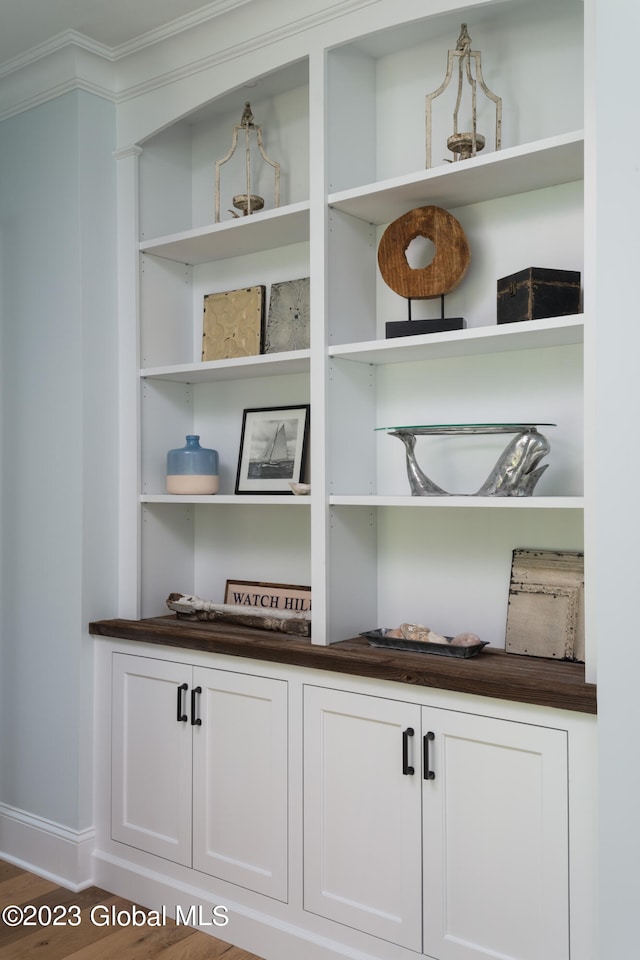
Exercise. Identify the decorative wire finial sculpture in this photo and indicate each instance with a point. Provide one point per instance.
(247, 202)
(466, 144)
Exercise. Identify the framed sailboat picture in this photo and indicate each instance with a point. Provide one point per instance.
(273, 449)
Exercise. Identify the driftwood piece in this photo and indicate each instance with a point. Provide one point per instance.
(188, 607)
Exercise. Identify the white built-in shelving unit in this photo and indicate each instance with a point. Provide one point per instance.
(346, 121)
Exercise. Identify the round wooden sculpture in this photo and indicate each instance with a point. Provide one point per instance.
(448, 266)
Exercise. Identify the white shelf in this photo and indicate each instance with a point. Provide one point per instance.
(456, 502)
(227, 498)
(384, 556)
(503, 173)
(525, 335)
(233, 238)
(240, 368)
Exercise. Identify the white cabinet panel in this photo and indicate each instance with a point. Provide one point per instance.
(199, 760)
(495, 840)
(362, 814)
(473, 843)
(151, 757)
(240, 780)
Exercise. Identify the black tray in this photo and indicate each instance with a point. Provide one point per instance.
(378, 638)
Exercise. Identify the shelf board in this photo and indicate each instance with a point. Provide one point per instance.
(503, 173)
(239, 368)
(271, 500)
(494, 673)
(456, 502)
(233, 238)
(475, 341)
(452, 502)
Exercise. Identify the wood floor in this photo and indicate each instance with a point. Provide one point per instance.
(82, 939)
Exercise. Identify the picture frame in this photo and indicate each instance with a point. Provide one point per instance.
(268, 596)
(233, 323)
(273, 449)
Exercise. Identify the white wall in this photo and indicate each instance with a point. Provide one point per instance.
(616, 462)
(59, 387)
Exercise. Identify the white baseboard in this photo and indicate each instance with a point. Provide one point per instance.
(249, 929)
(48, 849)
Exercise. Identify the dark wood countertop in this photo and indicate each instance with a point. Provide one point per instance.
(493, 673)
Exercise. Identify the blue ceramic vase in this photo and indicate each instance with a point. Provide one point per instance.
(192, 469)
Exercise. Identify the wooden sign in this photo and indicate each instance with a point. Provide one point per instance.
(268, 596)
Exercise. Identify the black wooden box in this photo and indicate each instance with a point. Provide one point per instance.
(538, 292)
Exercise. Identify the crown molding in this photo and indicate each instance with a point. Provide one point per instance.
(187, 22)
(65, 63)
(23, 79)
(72, 61)
(50, 48)
(244, 48)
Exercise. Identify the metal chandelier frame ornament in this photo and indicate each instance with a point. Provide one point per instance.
(466, 144)
(247, 202)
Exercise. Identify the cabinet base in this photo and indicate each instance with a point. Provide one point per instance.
(255, 930)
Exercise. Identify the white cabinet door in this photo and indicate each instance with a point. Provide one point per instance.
(151, 756)
(362, 859)
(240, 780)
(495, 840)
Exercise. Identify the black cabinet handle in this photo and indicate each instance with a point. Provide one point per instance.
(407, 770)
(428, 773)
(195, 721)
(181, 717)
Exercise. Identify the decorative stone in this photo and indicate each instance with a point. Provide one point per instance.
(420, 633)
(465, 640)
